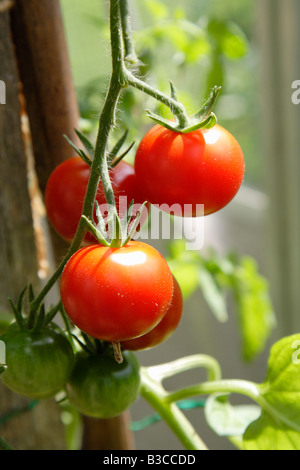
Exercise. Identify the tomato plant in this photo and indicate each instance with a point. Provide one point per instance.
(66, 188)
(101, 388)
(116, 294)
(38, 362)
(165, 327)
(123, 292)
(179, 171)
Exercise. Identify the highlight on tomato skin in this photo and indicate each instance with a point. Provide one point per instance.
(165, 327)
(180, 173)
(116, 294)
(66, 188)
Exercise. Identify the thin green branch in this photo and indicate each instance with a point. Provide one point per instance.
(130, 55)
(169, 369)
(242, 387)
(175, 106)
(153, 392)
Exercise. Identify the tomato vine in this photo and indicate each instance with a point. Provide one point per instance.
(123, 75)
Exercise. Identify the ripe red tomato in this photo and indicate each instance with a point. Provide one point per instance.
(115, 294)
(182, 170)
(165, 327)
(66, 188)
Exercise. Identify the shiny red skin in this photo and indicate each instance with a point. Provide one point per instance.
(66, 188)
(201, 167)
(165, 327)
(116, 294)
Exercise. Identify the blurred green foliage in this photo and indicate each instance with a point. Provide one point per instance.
(217, 276)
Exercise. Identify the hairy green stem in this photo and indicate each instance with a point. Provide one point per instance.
(169, 369)
(153, 392)
(242, 387)
(175, 106)
(130, 54)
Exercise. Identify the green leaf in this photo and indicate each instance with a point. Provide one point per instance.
(278, 428)
(120, 157)
(101, 226)
(18, 315)
(20, 299)
(80, 152)
(113, 153)
(197, 48)
(268, 434)
(212, 293)
(207, 123)
(255, 311)
(209, 103)
(218, 275)
(51, 314)
(234, 46)
(176, 35)
(229, 38)
(40, 319)
(282, 385)
(227, 420)
(86, 143)
(158, 9)
(176, 248)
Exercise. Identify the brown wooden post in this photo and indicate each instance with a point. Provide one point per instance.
(107, 434)
(40, 428)
(51, 103)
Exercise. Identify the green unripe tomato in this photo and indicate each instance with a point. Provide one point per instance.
(38, 363)
(100, 387)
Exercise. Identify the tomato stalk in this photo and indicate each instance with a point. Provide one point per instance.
(242, 387)
(130, 54)
(155, 394)
(153, 391)
(164, 402)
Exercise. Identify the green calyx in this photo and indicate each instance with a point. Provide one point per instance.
(36, 320)
(202, 119)
(96, 347)
(87, 155)
(112, 231)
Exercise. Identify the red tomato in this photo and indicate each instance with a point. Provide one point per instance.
(183, 170)
(66, 188)
(165, 327)
(116, 294)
